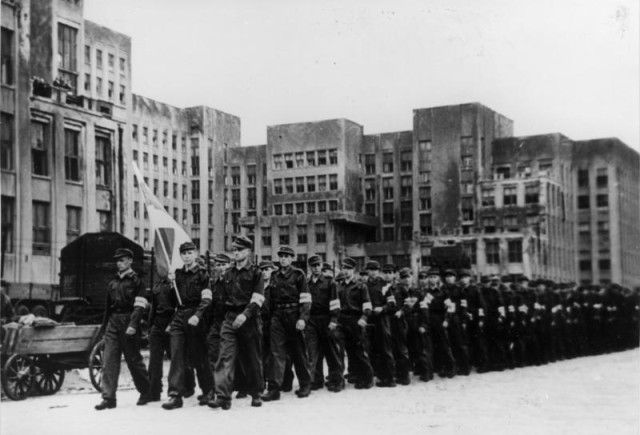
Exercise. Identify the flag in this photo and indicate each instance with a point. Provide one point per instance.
(168, 235)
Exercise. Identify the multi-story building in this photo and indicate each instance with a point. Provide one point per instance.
(608, 211)
(69, 126)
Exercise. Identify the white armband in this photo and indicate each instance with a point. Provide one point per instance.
(257, 299)
(140, 302)
(367, 306)
(206, 294)
(305, 298)
(334, 304)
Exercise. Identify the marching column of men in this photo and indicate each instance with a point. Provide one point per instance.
(244, 329)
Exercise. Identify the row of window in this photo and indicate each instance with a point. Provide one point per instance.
(406, 162)
(523, 170)
(99, 61)
(602, 178)
(584, 201)
(305, 159)
(299, 207)
(286, 185)
(42, 224)
(406, 188)
(122, 95)
(135, 129)
(302, 236)
(510, 195)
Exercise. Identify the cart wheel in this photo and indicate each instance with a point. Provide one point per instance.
(17, 377)
(21, 310)
(96, 359)
(47, 378)
(40, 311)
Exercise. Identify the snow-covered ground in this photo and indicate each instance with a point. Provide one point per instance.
(592, 395)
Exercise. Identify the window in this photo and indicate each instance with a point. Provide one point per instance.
(99, 59)
(41, 228)
(321, 235)
(185, 192)
(251, 175)
(406, 189)
(195, 189)
(111, 60)
(333, 157)
(195, 214)
(8, 223)
(583, 201)
(369, 164)
(425, 198)
(103, 160)
(6, 57)
(311, 184)
(136, 209)
(406, 161)
(466, 162)
(524, 170)
(369, 189)
(387, 162)
(288, 161)
(300, 160)
(266, 236)
(388, 234)
(387, 213)
(370, 209)
(322, 183)
(406, 212)
(185, 217)
(174, 142)
(235, 199)
(183, 170)
(145, 135)
(467, 188)
(252, 198)
(602, 179)
(492, 252)
(155, 186)
(322, 157)
(602, 200)
(584, 228)
(503, 172)
(99, 86)
(311, 158)
(584, 265)
(509, 195)
(6, 141)
(333, 205)
(467, 210)
(235, 222)
(544, 167)
(603, 227)
(154, 137)
(277, 186)
(288, 185)
(110, 90)
(302, 234)
(155, 162)
(123, 94)
(311, 207)
(333, 182)
(510, 222)
(489, 224)
(488, 199)
(40, 146)
(531, 193)
(300, 208)
(583, 178)
(67, 61)
(277, 209)
(145, 242)
(515, 251)
(322, 206)
(424, 156)
(72, 155)
(604, 264)
(164, 139)
(73, 222)
(425, 224)
(174, 166)
(235, 175)
(406, 233)
(469, 249)
(288, 209)
(123, 63)
(145, 161)
(284, 235)
(387, 188)
(87, 82)
(299, 184)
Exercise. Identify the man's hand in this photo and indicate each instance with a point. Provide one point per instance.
(362, 323)
(398, 314)
(130, 330)
(193, 320)
(377, 310)
(445, 324)
(332, 326)
(300, 324)
(171, 276)
(422, 329)
(239, 321)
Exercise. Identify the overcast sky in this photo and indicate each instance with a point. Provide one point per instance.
(569, 66)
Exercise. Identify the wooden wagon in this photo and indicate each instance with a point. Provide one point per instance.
(35, 359)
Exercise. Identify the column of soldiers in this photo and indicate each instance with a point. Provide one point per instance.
(249, 327)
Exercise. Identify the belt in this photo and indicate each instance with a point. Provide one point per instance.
(289, 305)
(122, 311)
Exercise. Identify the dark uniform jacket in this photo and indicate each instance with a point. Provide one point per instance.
(289, 287)
(472, 304)
(353, 299)
(243, 290)
(162, 304)
(193, 286)
(415, 304)
(126, 294)
(380, 293)
(322, 290)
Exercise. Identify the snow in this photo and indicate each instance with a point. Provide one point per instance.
(590, 395)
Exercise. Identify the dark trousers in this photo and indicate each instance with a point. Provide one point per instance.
(478, 346)
(459, 345)
(117, 343)
(353, 337)
(421, 348)
(443, 360)
(213, 345)
(382, 347)
(188, 348)
(287, 341)
(239, 345)
(324, 344)
(400, 349)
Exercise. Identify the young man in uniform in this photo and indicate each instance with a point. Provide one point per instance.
(188, 329)
(243, 296)
(125, 303)
(290, 303)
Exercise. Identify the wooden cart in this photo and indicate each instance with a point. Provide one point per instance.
(35, 359)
